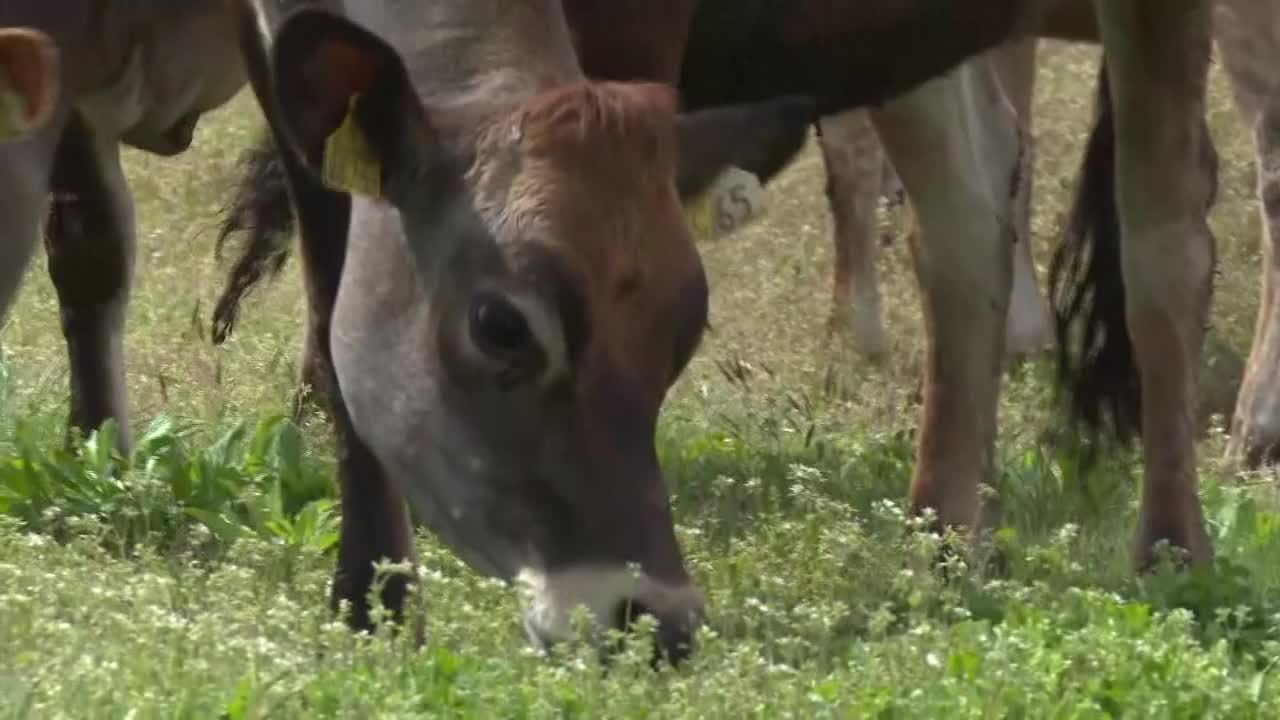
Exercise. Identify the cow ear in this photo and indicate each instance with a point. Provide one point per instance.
(29, 81)
(346, 102)
(759, 137)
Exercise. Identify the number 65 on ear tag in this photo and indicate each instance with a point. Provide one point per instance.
(730, 203)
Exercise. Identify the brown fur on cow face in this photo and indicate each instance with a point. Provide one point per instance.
(509, 373)
(589, 252)
(588, 190)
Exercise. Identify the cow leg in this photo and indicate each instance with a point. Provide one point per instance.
(1157, 54)
(854, 163)
(375, 521)
(21, 206)
(24, 177)
(90, 239)
(1255, 424)
(963, 255)
(1029, 329)
(1246, 35)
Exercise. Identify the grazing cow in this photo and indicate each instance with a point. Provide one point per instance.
(28, 81)
(502, 288)
(139, 73)
(1146, 184)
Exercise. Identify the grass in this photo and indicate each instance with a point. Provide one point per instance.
(189, 580)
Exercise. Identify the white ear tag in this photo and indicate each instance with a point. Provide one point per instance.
(730, 203)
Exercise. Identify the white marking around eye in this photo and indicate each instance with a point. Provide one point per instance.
(547, 330)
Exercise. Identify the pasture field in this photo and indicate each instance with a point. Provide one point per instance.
(190, 580)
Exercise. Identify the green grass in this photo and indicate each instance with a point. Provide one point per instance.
(190, 579)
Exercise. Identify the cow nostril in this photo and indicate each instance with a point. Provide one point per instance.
(672, 641)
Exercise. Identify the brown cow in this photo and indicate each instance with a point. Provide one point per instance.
(503, 288)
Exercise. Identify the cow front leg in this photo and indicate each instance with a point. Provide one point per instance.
(90, 239)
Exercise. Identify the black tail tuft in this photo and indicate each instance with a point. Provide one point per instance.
(262, 209)
(1096, 365)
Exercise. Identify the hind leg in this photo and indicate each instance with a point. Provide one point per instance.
(853, 159)
(1158, 52)
(90, 242)
(1249, 46)
(1255, 426)
(1029, 329)
(963, 254)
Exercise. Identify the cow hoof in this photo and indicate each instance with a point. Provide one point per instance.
(1252, 451)
(1254, 442)
(1185, 543)
(1027, 334)
(864, 333)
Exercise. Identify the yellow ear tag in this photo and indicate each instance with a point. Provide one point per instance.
(349, 162)
(13, 109)
(701, 216)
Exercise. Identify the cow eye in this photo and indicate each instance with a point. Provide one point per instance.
(498, 328)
